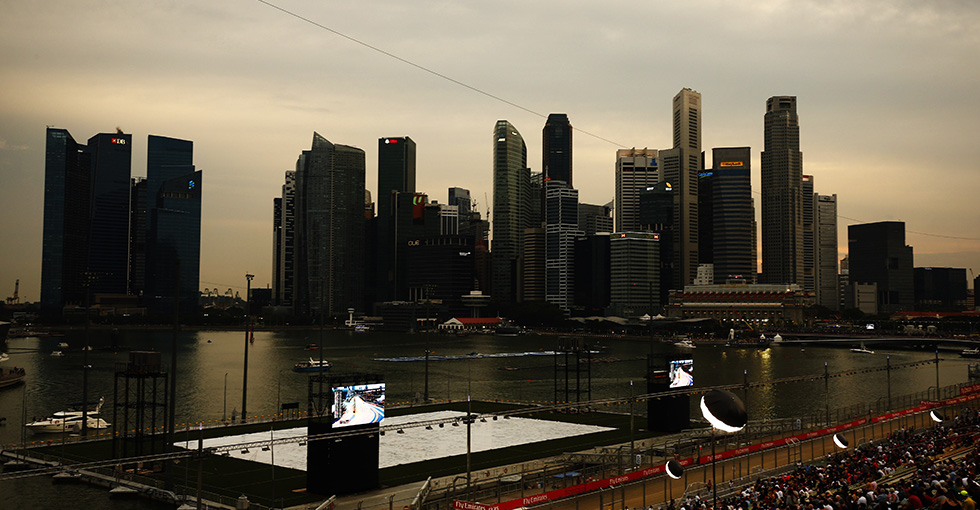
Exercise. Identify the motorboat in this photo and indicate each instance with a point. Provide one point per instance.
(971, 353)
(62, 345)
(685, 344)
(68, 421)
(11, 376)
(312, 366)
(862, 350)
(57, 354)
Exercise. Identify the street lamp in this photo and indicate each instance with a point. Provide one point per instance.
(724, 411)
(248, 290)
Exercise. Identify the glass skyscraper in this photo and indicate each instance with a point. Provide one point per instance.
(511, 209)
(782, 193)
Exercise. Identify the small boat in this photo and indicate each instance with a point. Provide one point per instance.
(685, 344)
(68, 421)
(862, 350)
(970, 353)
(57, 354)
(4, 357)
(11, 376)
(62, 345)
(311, 366)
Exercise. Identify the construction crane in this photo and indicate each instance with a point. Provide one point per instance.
(15, 299)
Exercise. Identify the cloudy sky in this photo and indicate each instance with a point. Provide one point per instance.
(887, 98)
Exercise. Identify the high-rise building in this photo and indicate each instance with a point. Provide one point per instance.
(826, 282)
(593, 218)
(108, 254)
(284, 243)
(460, 197)
(726, 215)
(941, 289)
(64, 252)
(592, 273)
(809, 235)
(173, 225)
(657, 215)
(782, 193)
(680, 167)
(329, 228)
(137, 236)
(634, 276)
(636, 170)
(557, 151)
(561, 229)
(877, 253)
(511, 209)
(396, 174)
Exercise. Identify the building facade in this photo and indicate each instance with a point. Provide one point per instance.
(511, 209)
(396, 174)
(561, 229)
(726, 225)
(877, 253)
(634, 278)
(636, 170)
(782, 193)
(680, 167)
(827, 282)
(556, 153)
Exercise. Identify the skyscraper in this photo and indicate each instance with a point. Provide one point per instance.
(511, 209)
(877, 253)
(561, 229)
(108, 254)
(636, 170)
(825, 222)
(680, 167)
(809, 235)
(284, 245)
(329, 228)
(396, 174)
(730, 227)
(782, 193)
(64, 253)
(173, 194)
(557, 151)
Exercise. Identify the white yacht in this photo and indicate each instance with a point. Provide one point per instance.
(68, 421)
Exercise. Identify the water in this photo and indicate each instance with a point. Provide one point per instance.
(210, 376)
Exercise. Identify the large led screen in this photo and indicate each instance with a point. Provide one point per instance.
(681, 373)
(358, 405)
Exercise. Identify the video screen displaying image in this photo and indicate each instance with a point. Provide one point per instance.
(681, 373)
(358, 405)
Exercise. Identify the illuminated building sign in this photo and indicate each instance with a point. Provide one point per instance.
(391, 140)
(191, 184)
(418, 208)
(119, 141)
(724, 164)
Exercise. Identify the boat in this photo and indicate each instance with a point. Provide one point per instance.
(311, 366)
(312, 347)
(971, 353)
(57, 354)
(862, 350)
(11, 376)
(62, 345)
(68, 421)
(685, 344)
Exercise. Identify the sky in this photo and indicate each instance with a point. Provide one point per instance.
(887, 100)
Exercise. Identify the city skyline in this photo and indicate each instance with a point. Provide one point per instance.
(866, 76)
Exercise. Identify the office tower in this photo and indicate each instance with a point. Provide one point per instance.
(636, 170)
(414, 218)
(680, 167)
(396, 174)
(825, 263)
(448, 220)
(329, 228)
(176, 228)
(592, 273)
(557, 149)
(531, 286)
(461, 197)
(940, 289)
(441, 268)
(108, 257)
(782, 193)
(511, 209)
(657, 215)
(726, 215)
(173, 195)
(284, 243)
(593, 218)
(809, 235)
(634, 276)
(64, 252)
(561, 229)
(137, 236)
(877, 254)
